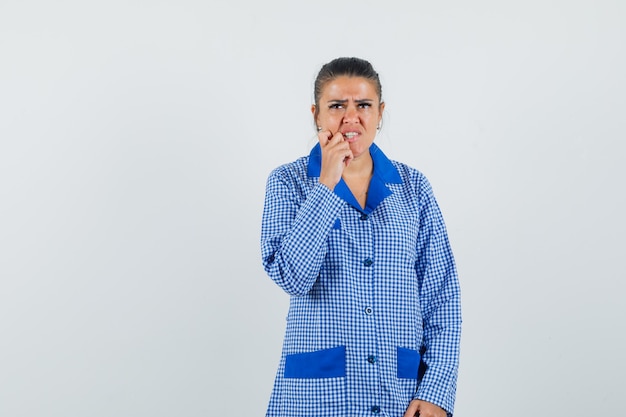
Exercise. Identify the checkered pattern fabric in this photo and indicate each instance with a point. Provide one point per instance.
(369, 282)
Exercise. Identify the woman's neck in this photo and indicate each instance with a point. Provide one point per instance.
(360, 167)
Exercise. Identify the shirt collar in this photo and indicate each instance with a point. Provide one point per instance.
(384, 173)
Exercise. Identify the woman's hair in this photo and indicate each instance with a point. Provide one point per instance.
(349, 67)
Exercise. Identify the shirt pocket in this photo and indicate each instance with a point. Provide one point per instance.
(408, 363)
(314, 383)
(324, 363)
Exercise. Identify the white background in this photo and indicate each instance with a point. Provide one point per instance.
(136, 138)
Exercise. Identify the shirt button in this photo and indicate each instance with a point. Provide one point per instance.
(375, 409)
(371, 359)
(368, 262)
(368, 310)
(363, 216)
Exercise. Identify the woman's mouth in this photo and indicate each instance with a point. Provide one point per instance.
(349, 136)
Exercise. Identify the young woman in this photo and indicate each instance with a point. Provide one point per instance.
(359, 243)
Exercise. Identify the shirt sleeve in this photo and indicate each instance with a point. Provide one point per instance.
(440, 303)
(295, 227)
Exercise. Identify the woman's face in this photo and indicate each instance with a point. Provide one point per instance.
(350, 105)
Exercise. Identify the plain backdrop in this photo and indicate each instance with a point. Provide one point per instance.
(136, 138)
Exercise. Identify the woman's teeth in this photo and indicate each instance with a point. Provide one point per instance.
(350, 135)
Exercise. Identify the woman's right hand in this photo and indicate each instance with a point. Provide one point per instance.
(336, 156)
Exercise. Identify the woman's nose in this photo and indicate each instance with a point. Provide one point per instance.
(351, 115)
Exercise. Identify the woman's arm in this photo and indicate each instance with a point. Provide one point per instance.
(295, 227)
(440, 300)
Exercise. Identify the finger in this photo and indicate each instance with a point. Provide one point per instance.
(348, 158)
(411, 411)
(427, 409)
(333, 138)
(337, 137)
(324, 137)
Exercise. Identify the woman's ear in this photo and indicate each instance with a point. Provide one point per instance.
(313, 109)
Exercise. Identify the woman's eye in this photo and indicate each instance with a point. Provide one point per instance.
(365, 105)
(335, 106)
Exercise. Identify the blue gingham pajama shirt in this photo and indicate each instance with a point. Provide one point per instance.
(374, 318)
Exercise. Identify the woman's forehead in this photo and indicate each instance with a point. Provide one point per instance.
(345, 87)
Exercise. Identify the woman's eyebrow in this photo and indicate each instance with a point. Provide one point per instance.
(359, 101)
